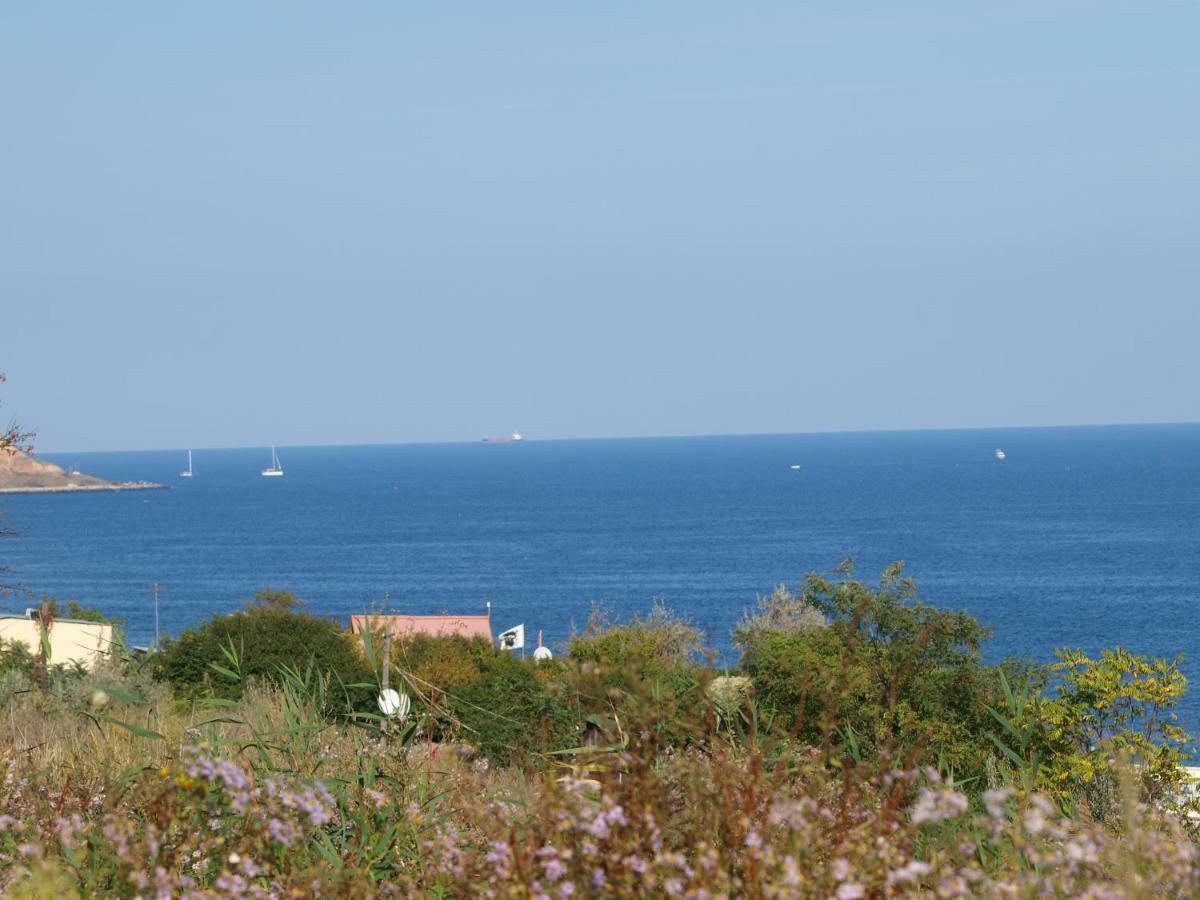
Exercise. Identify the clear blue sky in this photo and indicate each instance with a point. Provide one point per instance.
(228, 224)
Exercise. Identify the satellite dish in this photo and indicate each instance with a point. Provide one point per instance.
(394, 705)
(541, 654)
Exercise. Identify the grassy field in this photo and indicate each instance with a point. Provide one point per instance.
(666, 779)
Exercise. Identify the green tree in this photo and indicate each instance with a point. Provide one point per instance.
(887, 672)
(1118, 708)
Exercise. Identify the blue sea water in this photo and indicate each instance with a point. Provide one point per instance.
(1085, 537)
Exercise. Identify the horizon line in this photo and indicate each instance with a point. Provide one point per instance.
(645, 437)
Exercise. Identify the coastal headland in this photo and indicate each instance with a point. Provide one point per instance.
(21, 473)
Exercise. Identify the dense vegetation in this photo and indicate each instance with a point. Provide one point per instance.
(861, 748)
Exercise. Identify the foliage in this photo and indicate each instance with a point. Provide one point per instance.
(642, 672)
(783, 612)
(657, 641)
(75, 610)
(488, 697)
(12, 439)
(112, 790)
(15, 657)
(897, 674)
(1117, 707)
(266, 637)
(274, 599)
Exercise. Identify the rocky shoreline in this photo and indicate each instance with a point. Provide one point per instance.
(78, 488)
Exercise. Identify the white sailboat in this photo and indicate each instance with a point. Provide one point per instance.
(275, 470)
(1000, 454)
(187, 473)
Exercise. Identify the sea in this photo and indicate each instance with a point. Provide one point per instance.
(1080, 537)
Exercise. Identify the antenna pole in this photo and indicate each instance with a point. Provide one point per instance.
(387, 655)
(154, 592)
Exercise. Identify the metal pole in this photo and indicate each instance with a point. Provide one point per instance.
(387, 656)
(154, 591)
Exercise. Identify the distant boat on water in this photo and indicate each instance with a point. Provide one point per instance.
(275, 470)
(1000, 454)
(187, 473)
(511, 439)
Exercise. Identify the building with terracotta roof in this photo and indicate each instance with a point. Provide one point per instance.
(434, 626)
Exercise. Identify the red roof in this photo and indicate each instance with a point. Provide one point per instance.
(434, 626)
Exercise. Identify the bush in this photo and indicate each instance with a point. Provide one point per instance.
(887, 672)
(781, 613)
(659, 640)
(265, 637)
(642, 673)
(489, 697)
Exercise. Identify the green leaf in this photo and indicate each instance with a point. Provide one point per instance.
(133, 729)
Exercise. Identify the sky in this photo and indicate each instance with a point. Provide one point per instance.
(230, 224)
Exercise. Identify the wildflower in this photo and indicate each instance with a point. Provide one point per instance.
(498, 853)
(994, 802)
(850, 890)
(937, 806)
(912, 871)
(1034, 820)
(753, 840)
(791, 872)
(231, 885)
(250, 868)
(282, 833)
(378, 799)
(598, 878)
(635, 864)
(841, 869)
(554, 869)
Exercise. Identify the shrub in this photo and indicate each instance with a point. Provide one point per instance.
(265, 637)
(1118, 707)
(489, 697)
(781, 613)
(642, 673)
(888, 672)
(656, 641)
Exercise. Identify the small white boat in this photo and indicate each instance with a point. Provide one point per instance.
(187, 473)
(796, 466)
(1000, 454)
(275, 470)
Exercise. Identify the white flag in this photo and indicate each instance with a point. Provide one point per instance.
(513, 639)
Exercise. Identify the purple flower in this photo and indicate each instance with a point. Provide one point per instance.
(498, 853)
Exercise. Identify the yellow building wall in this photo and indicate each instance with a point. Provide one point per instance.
(70, 641)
